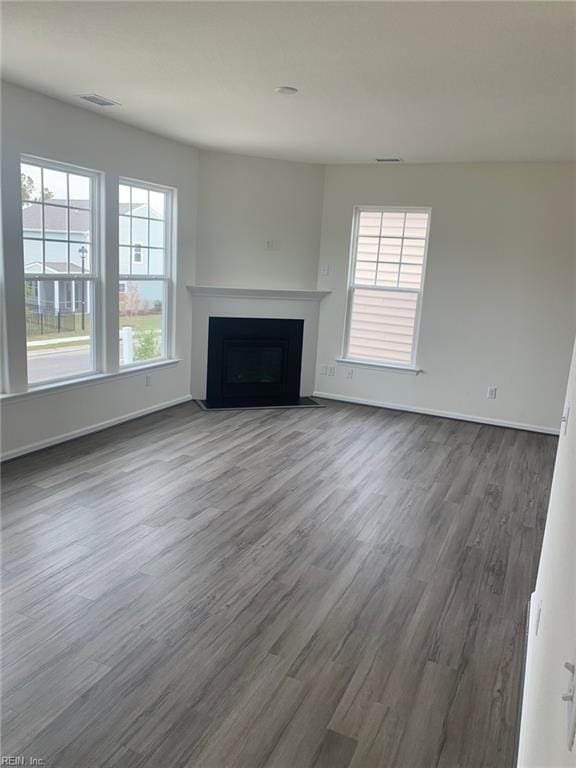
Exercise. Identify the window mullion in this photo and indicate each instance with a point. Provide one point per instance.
(148, 238)
(401, 250)
(394, 288)
(131, 225)
(68, 222)
(379, 247)
(43, 222)
(49, 277)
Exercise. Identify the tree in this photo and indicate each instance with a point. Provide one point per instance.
(28, 187)
(130, 300)
(123, 303)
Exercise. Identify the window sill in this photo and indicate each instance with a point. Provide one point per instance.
(412, 370)
(86, 381)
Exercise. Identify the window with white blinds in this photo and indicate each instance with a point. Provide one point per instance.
(385, 286)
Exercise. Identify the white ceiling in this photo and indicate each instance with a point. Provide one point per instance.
(426, 81)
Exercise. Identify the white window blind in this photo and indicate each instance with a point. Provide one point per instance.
(385, 287)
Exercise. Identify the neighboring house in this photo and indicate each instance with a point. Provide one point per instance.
(55, 297)
(147, 292)
(58, 296)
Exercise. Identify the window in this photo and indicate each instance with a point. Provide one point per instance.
(145, 275)
(385, 284)
(64, 276)
(61, 269)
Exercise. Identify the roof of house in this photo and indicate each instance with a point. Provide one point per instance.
(55, 214)
(60, 267)
(56, 217)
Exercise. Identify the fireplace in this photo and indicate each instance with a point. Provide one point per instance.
(253, 362)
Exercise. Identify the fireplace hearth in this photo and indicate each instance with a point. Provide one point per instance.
(253, 362)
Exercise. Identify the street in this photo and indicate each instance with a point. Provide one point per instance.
(50, 364)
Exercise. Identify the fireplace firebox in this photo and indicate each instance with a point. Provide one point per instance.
(253, 362)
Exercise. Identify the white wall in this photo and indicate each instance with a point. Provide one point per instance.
(552, 635)
(245, 202)
(498, 291)
(258, 227)
(35, 124)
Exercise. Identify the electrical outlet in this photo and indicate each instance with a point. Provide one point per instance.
(349, 373)
(272, 245)
(323, 370)
(325, 270)
(491, 393)
(148, 380)
(331, 370)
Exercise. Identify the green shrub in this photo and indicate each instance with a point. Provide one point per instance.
(146, 345)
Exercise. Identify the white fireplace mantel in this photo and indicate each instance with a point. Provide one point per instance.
(257, 293)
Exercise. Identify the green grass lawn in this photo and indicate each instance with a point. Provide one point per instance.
(78, 331)
(151, 322)
(142, 322)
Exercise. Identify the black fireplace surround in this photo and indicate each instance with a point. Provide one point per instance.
(253, 362)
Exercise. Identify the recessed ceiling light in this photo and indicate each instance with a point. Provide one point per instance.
(286, 90)
(101, 101)
(389, 160)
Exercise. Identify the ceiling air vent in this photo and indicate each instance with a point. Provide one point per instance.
(101, 101)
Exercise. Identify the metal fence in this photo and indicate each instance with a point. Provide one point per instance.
(42, 317)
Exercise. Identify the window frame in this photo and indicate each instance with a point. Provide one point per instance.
(167, 277)
(351, 286)
(93, 279)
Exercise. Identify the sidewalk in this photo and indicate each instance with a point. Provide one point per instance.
(47, 342)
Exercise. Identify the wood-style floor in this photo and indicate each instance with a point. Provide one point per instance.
(334, 588)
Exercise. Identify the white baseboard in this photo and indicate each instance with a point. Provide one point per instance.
(444, 414)
(93, 428)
